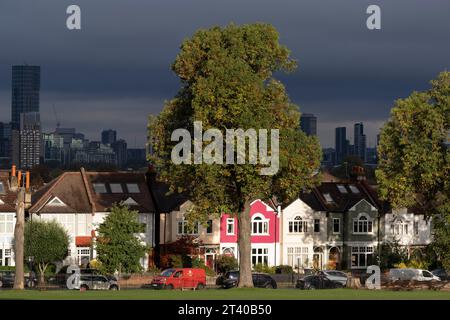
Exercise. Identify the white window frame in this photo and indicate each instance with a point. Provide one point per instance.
(7, 220)
(184, 231)
(339, 224)
(298, 257)
(230, 222)
(400, 227)
(262, 228)
(367, 220)
(261, 256)
(314, 225)
(361, 250)
(299, 224)
(81, 252)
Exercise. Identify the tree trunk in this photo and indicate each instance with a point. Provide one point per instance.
(245, 264)
(42, 268)
(19, 240)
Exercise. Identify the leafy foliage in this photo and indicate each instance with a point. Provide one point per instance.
(47, 242)
(118, 247)
(414, 165)
(225, 263)
(227, 83)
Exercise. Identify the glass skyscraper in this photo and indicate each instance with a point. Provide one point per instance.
(26, 82)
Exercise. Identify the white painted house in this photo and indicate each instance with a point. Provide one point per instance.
(7, 219)
(80, 201)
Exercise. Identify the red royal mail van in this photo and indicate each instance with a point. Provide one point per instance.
(178, 278)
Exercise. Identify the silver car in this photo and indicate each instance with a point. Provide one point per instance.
(96, 282)
(335, 276)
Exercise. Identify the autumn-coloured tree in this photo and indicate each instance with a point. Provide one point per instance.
(227, 82)
(414, 158)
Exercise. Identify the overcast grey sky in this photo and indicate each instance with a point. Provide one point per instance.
(116, 70)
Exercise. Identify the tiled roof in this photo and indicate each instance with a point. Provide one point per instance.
(329, 197)
(76, 191)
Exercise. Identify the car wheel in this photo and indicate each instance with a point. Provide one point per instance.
(269, 286)
(200, 286)
(114, 287)
(169, 287)
(84, 288)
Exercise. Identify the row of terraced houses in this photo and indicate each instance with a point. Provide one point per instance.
(339, 224)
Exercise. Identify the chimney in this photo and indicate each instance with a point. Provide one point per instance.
(13, 171)
(358, 173)
(19, 179)
(27, 180)
(13, 185)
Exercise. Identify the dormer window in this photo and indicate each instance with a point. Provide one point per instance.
(116, 187)
(99, 188)
(342, 188)
(2, 187)
(328, 198)
(133, 188)
(362, 225)
(354, 189)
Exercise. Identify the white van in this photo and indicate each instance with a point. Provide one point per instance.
(412, 274)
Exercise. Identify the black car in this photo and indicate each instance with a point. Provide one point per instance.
(260, 280)
(442, 274)
(317, 282)
(7, 279)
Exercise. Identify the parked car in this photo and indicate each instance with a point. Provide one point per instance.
(7, 280)
(411, 274)
(334, 275)
(317, 282)
(442, 274)
(260, 280)
(227, 275)
(96, 282)
(177, 278)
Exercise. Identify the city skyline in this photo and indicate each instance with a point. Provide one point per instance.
(346, 74)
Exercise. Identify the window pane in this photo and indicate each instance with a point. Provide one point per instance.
(99, 188)
(116, 187)
(133, 188)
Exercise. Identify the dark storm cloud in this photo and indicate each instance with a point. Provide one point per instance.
(116, 70)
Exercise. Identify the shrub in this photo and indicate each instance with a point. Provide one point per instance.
(225, 263)
(154, 270)
(284, 269)
(259, 267)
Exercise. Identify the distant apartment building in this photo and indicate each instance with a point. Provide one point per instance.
(109, 136)
(308, 124)
(136, 158)
(5, 145)
(341, 144)
(26, 142)
(359, 141)
(120, 149)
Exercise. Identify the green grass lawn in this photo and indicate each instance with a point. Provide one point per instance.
(232, 294)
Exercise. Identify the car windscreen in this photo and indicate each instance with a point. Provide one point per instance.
(232, 275)
(167, 273)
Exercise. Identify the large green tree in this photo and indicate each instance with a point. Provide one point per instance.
(47, 242)
(227, 82)
(414, 158)
(118, 247)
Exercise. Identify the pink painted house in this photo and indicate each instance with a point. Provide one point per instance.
(265, 238)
